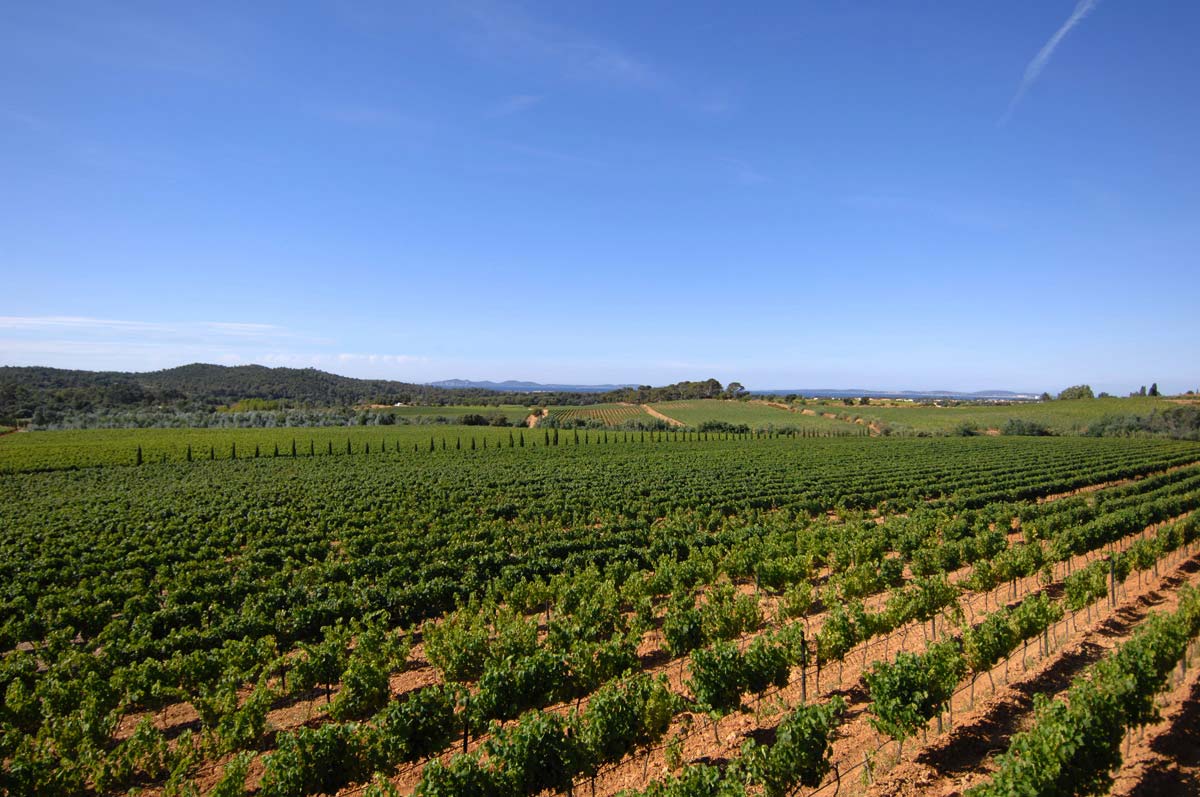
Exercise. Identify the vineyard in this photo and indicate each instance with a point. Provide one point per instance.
(612, 415)
(754, 414)
(501, 611)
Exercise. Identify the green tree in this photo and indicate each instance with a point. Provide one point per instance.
(1077, 392)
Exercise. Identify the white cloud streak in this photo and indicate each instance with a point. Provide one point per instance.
(518, 103)
(1035, 67)
(113, 326)
(502, 30)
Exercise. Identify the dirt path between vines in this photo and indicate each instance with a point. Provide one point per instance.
(1165, 758)
(662, 417)
(966, 755)
(703, 743)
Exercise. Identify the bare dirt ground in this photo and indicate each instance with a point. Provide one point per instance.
(534, 418)
(661, 417)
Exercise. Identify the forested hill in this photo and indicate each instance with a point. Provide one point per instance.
(29, 391)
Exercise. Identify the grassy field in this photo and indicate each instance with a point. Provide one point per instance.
(754, 414)
(1062, 417)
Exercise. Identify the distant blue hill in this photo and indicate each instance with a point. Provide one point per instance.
(514, 386)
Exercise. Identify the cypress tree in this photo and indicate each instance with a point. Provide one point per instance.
(547, 438)
(348, 450)
(431, 442)
(212, 453)
(585, 437)
(556, 436)
(576, 437)
(233, 450)
(458, 443)
(139, 455)
(329, 450)
(256, 450)
(368, 447)
(472, 442)
(276, 454)
(189, 452)
(293, 448)
(311, 452)
(522, 439)
(443, 444)
(511, 442)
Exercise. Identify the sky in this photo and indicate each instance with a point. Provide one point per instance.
(874, 194)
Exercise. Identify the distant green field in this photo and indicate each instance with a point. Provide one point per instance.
(33, 451)
(609, 414)
(515, 413)
(752, 413)
(1063, 417)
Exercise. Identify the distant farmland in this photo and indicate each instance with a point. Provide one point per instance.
(608, 414)
(1060, 417)
(755, 414)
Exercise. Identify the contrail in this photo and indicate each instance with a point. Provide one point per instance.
(1082, 9)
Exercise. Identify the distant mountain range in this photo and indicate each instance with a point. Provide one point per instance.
(514, 386)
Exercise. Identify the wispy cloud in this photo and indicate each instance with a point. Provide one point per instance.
(63, 323)
(505, 31)
(1035, 67)
(110, 35)
(743, 173)
(518, 103)
(958, 213)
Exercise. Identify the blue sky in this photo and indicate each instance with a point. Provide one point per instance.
(869, 194)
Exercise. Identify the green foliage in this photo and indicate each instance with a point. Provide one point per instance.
(312, 761)
(365, 686)
(765, 664)
(1028, 428)
(910, 690)
(1074, 745)
(534, 754)
(800, 753)
(683, 627)
(698, 780)
(717, 677)
(323, 663)
(419, 725)
(464, 776)
(1076, 392)
(511, 685)
(233, 777)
